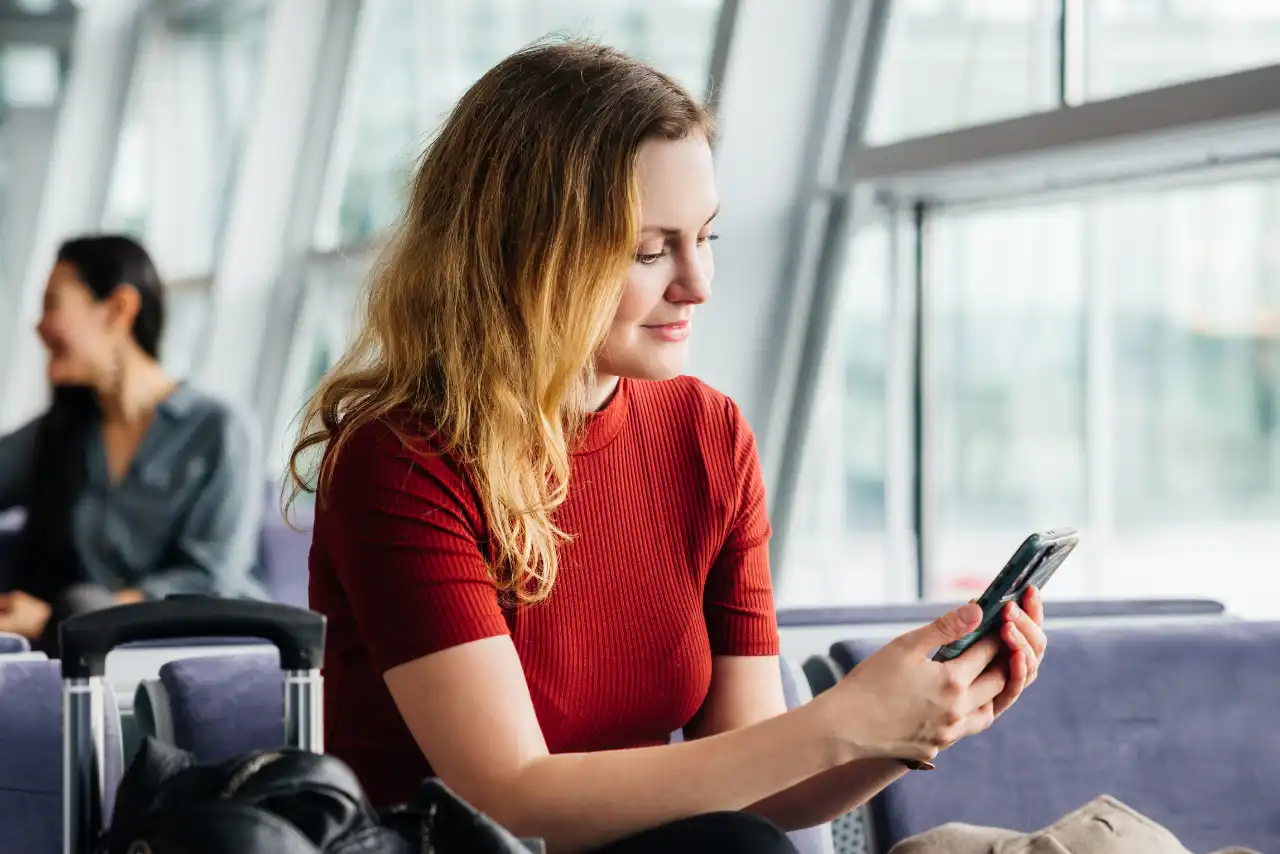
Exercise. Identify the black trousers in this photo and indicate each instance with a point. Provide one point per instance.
(713, 833)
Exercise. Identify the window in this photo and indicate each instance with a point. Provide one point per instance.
(952, 63)
(186, 307)
(838, 540)
(1133, 46)
(172, 180)
(1141, 325)
(30, 75)
(425, 55)
(1194, 274)
(1005, 350)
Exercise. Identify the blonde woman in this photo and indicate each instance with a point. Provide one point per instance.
(542, 550)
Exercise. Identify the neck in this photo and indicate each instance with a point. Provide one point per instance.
(601, 389)
(136, 390)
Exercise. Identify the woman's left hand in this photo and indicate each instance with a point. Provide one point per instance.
(1023, 634)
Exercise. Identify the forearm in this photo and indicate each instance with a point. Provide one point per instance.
(582, 801)
(829, 794)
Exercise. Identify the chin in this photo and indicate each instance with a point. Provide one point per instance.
(654, 370)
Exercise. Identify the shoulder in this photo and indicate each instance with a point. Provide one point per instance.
(214, 423)
(691, 402)
(394, 462)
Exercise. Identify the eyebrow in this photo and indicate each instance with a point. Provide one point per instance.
(668, 231)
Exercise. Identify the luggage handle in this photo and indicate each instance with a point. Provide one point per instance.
(86, 639)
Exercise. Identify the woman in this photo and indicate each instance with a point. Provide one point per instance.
(540, 549)
(135, 486)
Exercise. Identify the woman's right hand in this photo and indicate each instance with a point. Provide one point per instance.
(901, 704)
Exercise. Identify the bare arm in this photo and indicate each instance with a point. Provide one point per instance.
(469, 710)
(745, 691)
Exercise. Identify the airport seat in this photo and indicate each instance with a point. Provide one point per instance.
(216, 706)
(1177, 723)
(284, 551)
(884, 621)
(31, 747)
(11, 643)
(1058, 609)
(221, 706)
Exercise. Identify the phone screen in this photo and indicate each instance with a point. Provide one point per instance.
(1034, 563)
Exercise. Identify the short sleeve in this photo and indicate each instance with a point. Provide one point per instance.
(738, 603)
(403, 530)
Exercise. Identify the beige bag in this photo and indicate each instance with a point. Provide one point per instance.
(1102, 826)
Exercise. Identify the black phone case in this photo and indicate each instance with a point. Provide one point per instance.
(1035, 562)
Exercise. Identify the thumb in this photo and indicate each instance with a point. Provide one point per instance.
(948, 628)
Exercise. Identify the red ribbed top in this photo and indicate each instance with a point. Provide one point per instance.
(668, 567)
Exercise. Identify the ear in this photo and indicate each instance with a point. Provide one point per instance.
(122, 307)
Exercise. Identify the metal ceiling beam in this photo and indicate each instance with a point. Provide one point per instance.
(1231, 118)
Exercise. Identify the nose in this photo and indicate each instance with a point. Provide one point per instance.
(692, 284)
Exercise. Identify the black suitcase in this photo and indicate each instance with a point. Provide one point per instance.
(297, 633)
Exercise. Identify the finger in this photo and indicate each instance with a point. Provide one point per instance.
(1013, 688)
(1018, 643)
(980, 719)
(949, 628)
(1033, 604)
(974, 660)
(1028, 628)
(986, 688)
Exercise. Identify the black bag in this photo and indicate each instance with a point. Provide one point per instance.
(288, 801)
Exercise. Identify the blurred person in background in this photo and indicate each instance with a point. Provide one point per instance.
(136, 486)
(541, 549)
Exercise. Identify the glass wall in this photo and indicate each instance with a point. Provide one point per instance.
(426, 54)
(1004, 319)
(1133, 45)
(1110, 362)
(172, 179)
(953, 63)
(839, 545)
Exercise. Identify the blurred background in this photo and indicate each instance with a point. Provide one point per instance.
(986, 267)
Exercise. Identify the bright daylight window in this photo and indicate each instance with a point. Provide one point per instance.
(426, 54)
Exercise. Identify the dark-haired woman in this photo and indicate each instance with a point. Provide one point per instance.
(136, 486)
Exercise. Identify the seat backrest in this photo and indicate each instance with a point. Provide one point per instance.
(221, 706)
(285, 553)
(1177, 721)
(11, 643)
(795, 689)
(31, 754)
(1057, 609)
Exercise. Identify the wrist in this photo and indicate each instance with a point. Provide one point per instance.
(839, 722)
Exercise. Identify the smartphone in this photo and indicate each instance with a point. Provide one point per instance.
(1034, 563)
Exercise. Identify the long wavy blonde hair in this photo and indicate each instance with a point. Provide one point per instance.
(484, 314)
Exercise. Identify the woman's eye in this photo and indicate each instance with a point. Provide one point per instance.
(648, 258)
(707, 238)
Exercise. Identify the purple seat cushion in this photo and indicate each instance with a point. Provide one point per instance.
(31, 755)
(1178, 721)
(13, 643)
(226, 705)
(285, 553)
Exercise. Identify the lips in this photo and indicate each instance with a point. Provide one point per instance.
(676, 331)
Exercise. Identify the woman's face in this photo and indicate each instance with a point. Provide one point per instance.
(672, 270)
(83, 335)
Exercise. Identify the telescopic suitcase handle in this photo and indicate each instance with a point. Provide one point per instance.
(86, 640)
